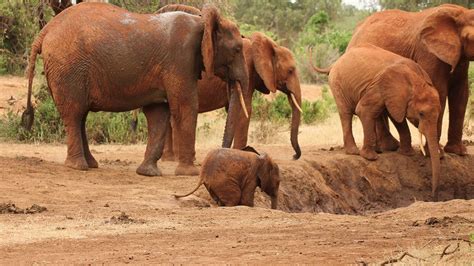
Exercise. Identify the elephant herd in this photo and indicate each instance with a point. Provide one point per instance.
(181, 61)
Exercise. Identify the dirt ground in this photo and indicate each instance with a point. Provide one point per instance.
(333, 208)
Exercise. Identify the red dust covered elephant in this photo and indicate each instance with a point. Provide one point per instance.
(441, 41)
(99, 57)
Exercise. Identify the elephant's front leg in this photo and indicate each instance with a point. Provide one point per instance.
(158, 117)
(248, 194)
(385, 140)
(458, 95)
(405, 138)
(184, 111)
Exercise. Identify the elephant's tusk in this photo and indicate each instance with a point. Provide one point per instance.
(422, 148)
(295, 102)
(242, 102)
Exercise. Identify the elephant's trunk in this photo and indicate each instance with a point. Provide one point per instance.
(239, 76)
(232, 115)
(432, 139)
(295, 101)
(274, 200)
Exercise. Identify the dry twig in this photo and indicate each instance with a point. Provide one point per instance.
(401, 258)
(446, 252)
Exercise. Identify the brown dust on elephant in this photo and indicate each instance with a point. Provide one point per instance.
(271, 68)
(367, 81)
(231, 176)
(99, 57)
(441, 41)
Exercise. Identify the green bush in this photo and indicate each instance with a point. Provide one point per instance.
(278, 111)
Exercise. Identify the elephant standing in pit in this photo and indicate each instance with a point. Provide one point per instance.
(231, 176)
(368, 80)
(441, 41)
(99, 57)
(271, 67)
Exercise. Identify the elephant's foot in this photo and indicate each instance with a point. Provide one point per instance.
(148, 169)
(459, 149)
(407, 151)
(186, 169)
(77, 163)
(91, 162)
(369, 154)
(352, 150)
(389, 143)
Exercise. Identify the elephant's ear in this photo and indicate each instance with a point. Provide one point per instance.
(439, 33)
(263, 53)
(211, 17)
(396, 87)
(263, 172)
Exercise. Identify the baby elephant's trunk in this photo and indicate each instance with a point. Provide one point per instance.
(274, 200)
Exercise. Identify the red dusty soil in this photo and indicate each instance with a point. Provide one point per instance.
(334, 209)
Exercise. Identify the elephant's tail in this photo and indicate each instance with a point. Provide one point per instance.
(27, 117)
(197, 187)
(315, 68)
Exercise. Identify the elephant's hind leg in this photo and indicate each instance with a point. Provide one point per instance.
(91, 162)
(75, 146)
(157, 116)
(349, 142)
(168, 151)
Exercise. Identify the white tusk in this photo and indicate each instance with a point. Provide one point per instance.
(242, 102)
(295, 102)
(422, 147)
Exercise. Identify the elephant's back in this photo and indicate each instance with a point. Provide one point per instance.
(230, 161)
(358, 68)
(386, 29)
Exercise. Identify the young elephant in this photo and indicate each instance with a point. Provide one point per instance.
(368, 81)
(231, 176)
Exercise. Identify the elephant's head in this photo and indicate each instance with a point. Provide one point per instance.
(276, 68)
(448, 33)
(268, 177)
(223, 55)
(407, 91)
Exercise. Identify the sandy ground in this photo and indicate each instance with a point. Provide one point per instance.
(84, 222)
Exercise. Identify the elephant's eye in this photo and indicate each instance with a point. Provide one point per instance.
(237, 50)
(422, 114)
(290, 71)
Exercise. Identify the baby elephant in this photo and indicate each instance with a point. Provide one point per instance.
(231, 176)
(369, 81)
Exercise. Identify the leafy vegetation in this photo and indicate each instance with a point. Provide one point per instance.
(278, 111)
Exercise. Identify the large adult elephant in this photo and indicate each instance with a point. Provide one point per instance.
(271, 68)
(99, 57)
(441, 41)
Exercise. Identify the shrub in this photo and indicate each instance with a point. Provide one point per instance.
(278, 111)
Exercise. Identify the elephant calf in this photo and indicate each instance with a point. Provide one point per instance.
(231, 176)
(369, 81)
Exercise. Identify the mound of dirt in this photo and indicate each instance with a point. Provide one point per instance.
(345, 184)
(123, 218)
(11, 208)
(447, 221)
